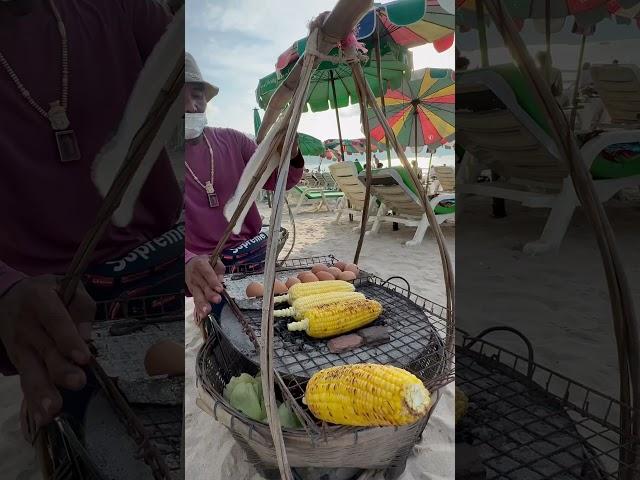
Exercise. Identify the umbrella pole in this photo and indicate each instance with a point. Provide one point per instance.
(429, 172)
(335, 103)
(382, 92)
(482, 34)
(576, 89)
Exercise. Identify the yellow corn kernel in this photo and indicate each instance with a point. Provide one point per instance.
(337, 318)
(300, 290)
(367, 395)
(302, 305)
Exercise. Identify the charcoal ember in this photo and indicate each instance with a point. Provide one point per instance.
(345, 343)
(374, 335)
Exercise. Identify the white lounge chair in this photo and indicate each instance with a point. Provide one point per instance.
(498, 132)
(390, 188)
(345, 175)
(619, 90)
(445, 180)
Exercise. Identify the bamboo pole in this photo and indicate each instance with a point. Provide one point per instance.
(576, 90)
(482, 34)
(382, 90)
(625, 323)
(335, 105)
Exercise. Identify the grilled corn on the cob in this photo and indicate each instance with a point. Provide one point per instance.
(337, 318)
(367, 395)
(300, 290)
(302, 305)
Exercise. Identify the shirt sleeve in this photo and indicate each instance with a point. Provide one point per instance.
(188, 255)
(149, 20)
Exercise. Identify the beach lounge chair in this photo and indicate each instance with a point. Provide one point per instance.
(619, 90)
(445, 179)
(392, 187)
(301, 195)
(345, 175)
(499, 127)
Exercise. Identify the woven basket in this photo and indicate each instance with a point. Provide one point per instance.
(335, 446)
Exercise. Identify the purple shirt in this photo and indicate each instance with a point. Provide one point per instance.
(46, 207)
(205, 225)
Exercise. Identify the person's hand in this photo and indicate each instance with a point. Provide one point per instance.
(45, 341)
(204, 283)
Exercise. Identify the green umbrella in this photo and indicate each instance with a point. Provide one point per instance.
(395, 62)
(307, 144)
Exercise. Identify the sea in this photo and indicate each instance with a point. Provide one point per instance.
(322, 164)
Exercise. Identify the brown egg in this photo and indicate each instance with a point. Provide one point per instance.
(335, 271)
(254, 289)
(322, 276)
(347, 276)
(279, 288)
(165, 358)
(340, 265)
(307, 277)
(291, 281)
(352, 267)
(319, 267)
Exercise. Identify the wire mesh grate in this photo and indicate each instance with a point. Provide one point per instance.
(527, 422)
(417, 329)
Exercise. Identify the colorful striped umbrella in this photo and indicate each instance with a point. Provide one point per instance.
(586, 13)
(422, 112)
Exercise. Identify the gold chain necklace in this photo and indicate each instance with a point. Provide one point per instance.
(212, 196)
(57, 114)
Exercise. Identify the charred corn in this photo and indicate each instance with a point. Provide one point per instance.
(367, 395)
(337, 318)
(300, 290)
(302, 305)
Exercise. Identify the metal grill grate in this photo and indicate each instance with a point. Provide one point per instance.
(416, 325)
(527, 422)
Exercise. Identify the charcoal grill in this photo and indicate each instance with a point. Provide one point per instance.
(154, 421)
(417, 330)
(527, 422)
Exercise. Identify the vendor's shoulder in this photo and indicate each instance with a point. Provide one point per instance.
(229, 133)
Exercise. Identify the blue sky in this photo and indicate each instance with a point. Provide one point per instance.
(237, 42)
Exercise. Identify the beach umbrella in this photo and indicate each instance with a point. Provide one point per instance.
(310, 145)
(422, 111)
(307, 144)
(356, 145)
(386, 32)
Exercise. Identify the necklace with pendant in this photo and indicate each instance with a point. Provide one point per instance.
(68, 149)
(212, 196)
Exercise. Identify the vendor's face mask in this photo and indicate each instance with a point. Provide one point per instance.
(194, 124)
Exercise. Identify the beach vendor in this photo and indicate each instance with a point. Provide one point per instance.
(67, 69)
(214, 161)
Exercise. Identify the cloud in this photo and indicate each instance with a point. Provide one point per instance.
(237, 42)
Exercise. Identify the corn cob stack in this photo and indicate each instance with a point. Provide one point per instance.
(367, 395)
(337, 318)
(302, 305)
(300, 290)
